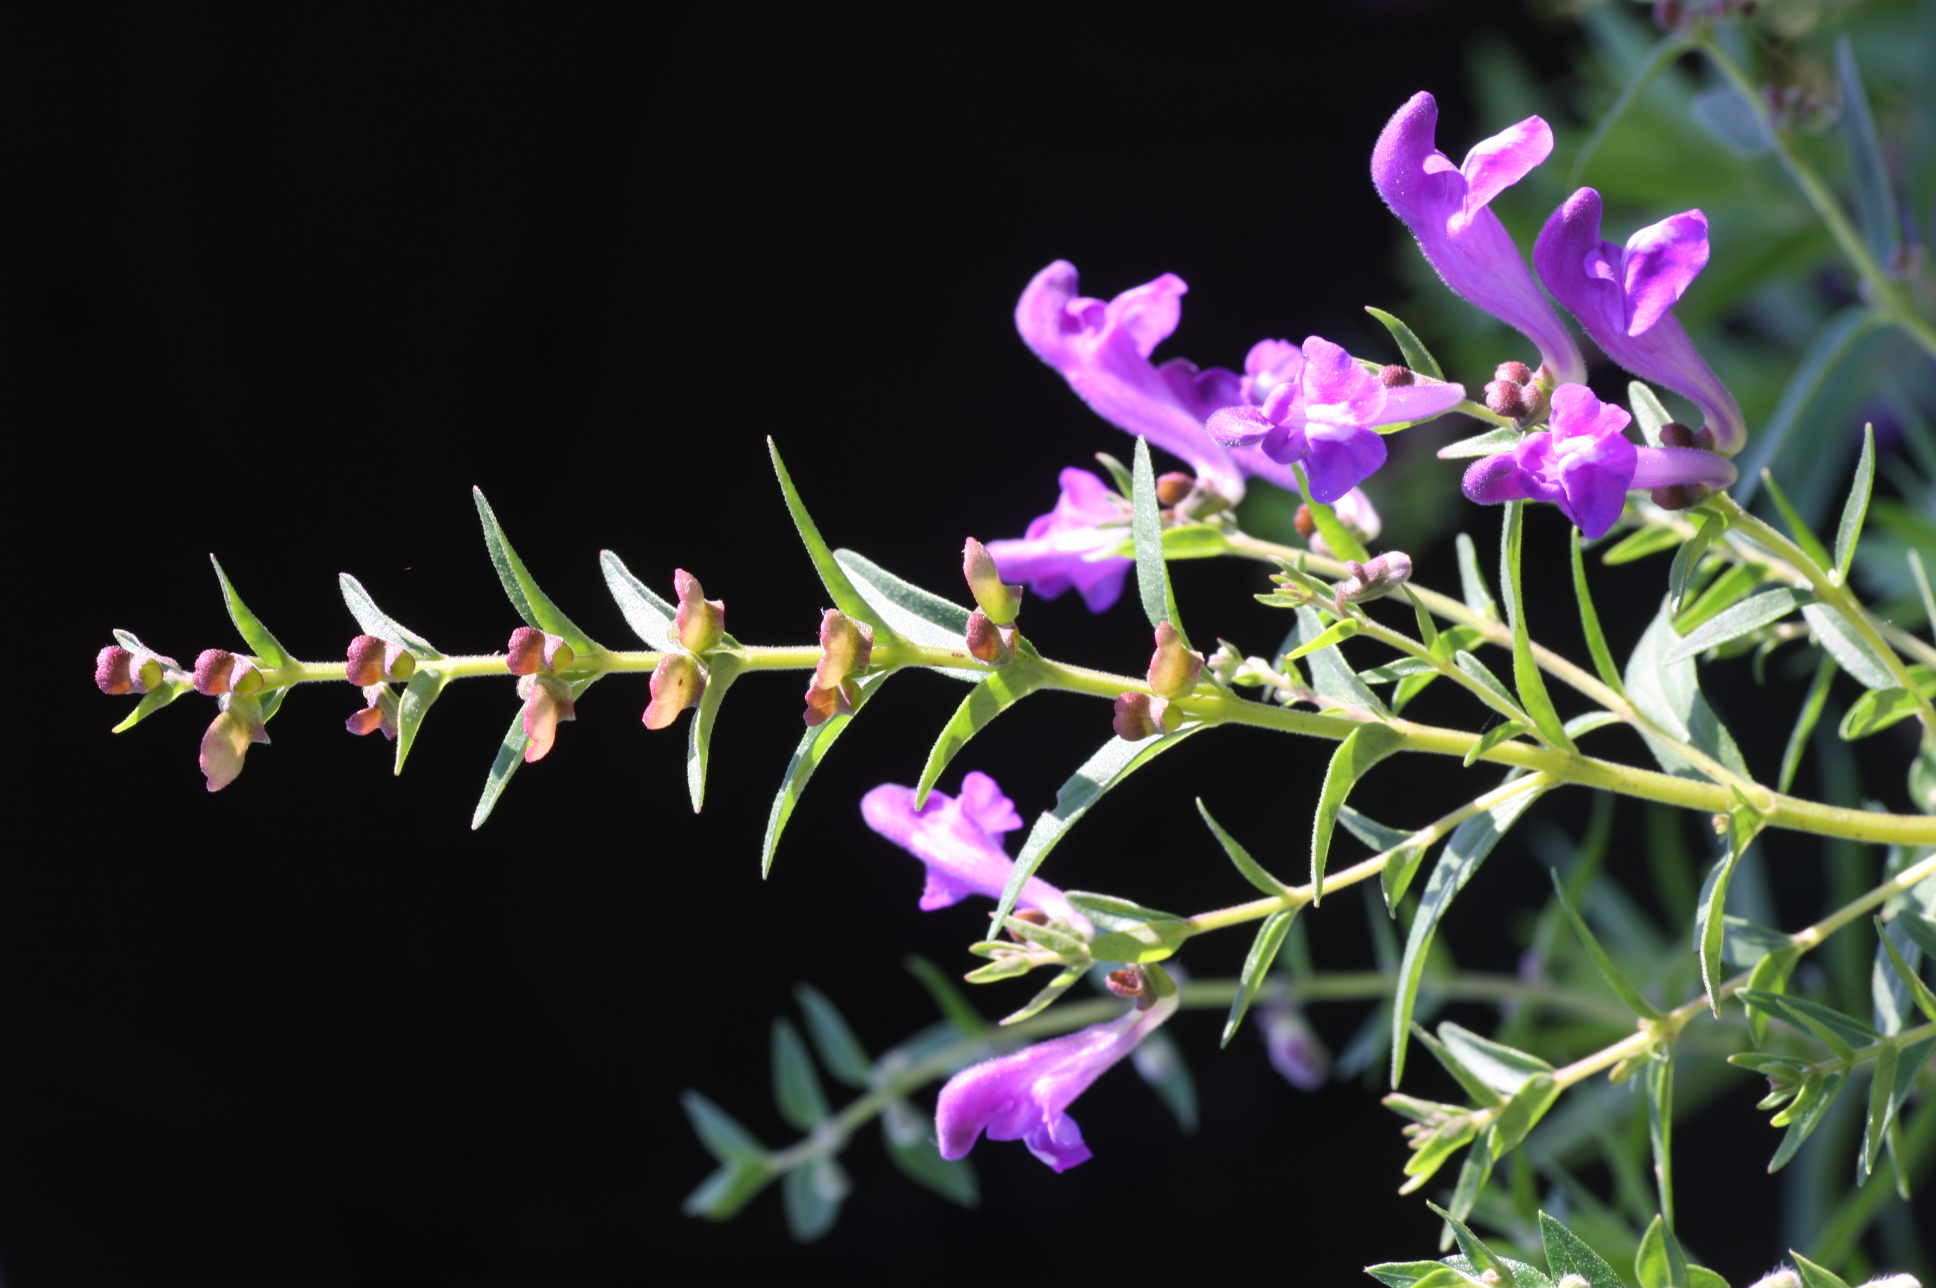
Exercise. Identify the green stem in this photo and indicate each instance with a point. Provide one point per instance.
(1885, 294)
(1862, 1055)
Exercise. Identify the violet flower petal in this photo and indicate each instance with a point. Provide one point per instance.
(1054, 554)
(1594, 278)
(1665, 466)
(1340, 457)
(962, 854)
(1026, 1095)
(1446, 209)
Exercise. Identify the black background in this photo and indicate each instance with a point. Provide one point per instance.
(289, 292)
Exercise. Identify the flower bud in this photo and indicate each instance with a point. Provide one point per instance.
(846, 648)
(1126, 983)
(212, 669)
(1306, 525)
(1171, 489)
(547, 700)
(824, 704)
(1581, 1281)
(245, 677)
(1675, 434)
(380, 714)
(1504, 398)
(988, 642)
(1139, 716)
(1033, 916)
(1294, 1049)
(373, 660)
(113, 670)
(1779, 1277)
(1001, 602)
(677, 683)
(1173, 669)
(1392, 376)
(228, 739)
(1373, 580)
(1678, 496)
(531, 650)
(700, 622)
(1517, 372)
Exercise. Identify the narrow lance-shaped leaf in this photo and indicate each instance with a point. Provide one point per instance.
(1875, 203)
(724, 669)
(1850, 651)
(1669, 695)
(1805, 720)
(846, 598)
(1912, 983)
(1146, 524)
(1810, 544)
(1252, 870)
(812, 749)
(375, 621)
(1920, 575)
(1472, 582)
(425, 687)
(1477, 1087)
(1629, 995)
(510, 754)
(948, 999)
(1502, 439)
(920, 615)
(796, 1089)
(1363, 748)
(1336, 633)
(1660, 1263)
(1883, 1105)
(1814, 1276)
(1343, 541)
(1877, 709)
(998, 691)
(1650, 413)
(267, 651)
(1492, 738)
(1744, 824)
(1856, 509)
(1468, 847)
(1721, 594)
(909, 1137)
(1640, 544)
(840, 1051)
(521, 588)
(1750, 614)
(1596, 639)
(1689, 556)
(1473, 1175)
(1567, 1254)
(1494, 693)
(1805, 1115)
(648, 614)
(1658, 1084)
(1490, 1265)
(1257, 964)
(1416, 355)
(1331, 675)
(1114, 761)
(813, 1193)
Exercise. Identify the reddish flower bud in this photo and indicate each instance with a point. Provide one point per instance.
(824, 704)
(113, 670)
(1373, 580)
(380, 714)
(988, 642)
(1126, 983)
(1173, 669)
(1138, 716)
(547, 700)
(700, 622)
(228, 740)
(1172, 488)
(1678, 496)
(1393, 376)
(525, 654)
(677, 683)
(1305, 524)
(1504, 398)
(212, 669)
(1517, 372)
(1001, 602)
(846, 648)
(365, 661)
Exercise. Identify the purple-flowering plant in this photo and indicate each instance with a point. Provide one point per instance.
(1321, 408)
(1447, 208)
(1061, 549)
(960, 840)
(1585, 464)
(1624, 297)
(1026, 1095)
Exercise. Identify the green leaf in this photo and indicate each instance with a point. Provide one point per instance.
(1152, 574)
(426, 685)
(1644, 70)
(1804, 537)
(1159, 1063)
(1833, 342)
(1526, 677)
(1638, 545)
(1472, 582)
(1842, 1033)
(1710, 925)
(720, 1196)
(1875, 204)
(1432, 1155)
(839, 1050)
(919, 615)
(998, 691)
(1149, 941)
(1114, 761)
(1649, 412)
(1504, 1069)
(813, 1192)
(1805, 719)
(1750, 614)
(948, 999)
(1925, 999)
(846, 598)
(1343, 541)
(1849, 531)
(1416, 355)
(1257, 965)
(909, 1138)
(1669, 694)
(1920, 576)
(1468, 847)
(723, 1138)
(1331, 675)
(722, 669)
(1477, 1087)
(1395, 877)
(1883, 1104)
(1490, 443)
(1501, 698)
(1567, 1254)
(1596, 640)
(510, 754)
(1112, 913)
(1660, 1262)
(1875, 711)
(1336, 633)
(1629, 995)
(796, 1089)
(812, 749)
(1492, 738)
(648, 614)
(1658, 1085)
(261, 643)
(1473, 1175)
(1062, 983)
(1723, 593)
(1702, 1277)
(1404, 1274)
(1850, 651)
(153, 700)
(1252, 870)
(1194, 541)
(375, 621)
(1490, 1267)
(1689, 555)
(1814, 1276)
(521, 588)
(1770, 975)
(1364, 747)
(1805, 1114)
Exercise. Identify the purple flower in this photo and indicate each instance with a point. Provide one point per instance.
(1445, 206)
(1318, 406)
(1295, 1051)
(1026, 1096)
(1585, 465)
(1623, 297)
(959, 839)
(1055, 554)
(1102, 350)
